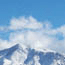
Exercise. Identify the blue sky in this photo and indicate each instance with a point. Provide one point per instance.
(52, 10)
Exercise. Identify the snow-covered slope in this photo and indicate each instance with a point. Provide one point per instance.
(18, 55)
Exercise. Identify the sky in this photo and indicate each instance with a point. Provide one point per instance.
(33, 23)
(52, 10)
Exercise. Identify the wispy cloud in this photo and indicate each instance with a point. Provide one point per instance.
(32, 33)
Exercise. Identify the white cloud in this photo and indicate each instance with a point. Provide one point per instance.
(4, 28)
(35, 34)
(32, 39)
(23, 22)
(4, 44)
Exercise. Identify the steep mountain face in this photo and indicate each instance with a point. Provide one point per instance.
(18, 55)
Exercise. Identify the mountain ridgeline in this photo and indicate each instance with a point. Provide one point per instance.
(17, 55)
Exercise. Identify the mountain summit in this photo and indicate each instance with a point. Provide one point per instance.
(17, 55)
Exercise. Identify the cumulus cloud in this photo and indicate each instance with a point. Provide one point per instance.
(5, 44)
(35, 34)
(23, 22)
(34, 39)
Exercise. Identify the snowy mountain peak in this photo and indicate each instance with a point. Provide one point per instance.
(16, 55)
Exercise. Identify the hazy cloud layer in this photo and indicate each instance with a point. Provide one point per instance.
(32, 33)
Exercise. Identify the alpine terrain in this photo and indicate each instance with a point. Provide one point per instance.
(20, 55)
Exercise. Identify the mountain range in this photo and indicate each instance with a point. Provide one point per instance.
(20, 55)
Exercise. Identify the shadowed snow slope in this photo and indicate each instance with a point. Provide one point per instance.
(17, 55)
